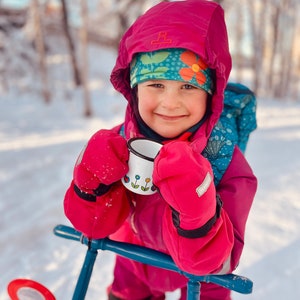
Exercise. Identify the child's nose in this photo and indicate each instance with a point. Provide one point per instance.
(171, 100)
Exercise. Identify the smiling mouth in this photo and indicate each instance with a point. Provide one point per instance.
(171, 118)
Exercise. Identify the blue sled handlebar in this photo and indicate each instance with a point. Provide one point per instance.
(155, 258)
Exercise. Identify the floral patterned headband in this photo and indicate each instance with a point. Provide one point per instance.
(171, 64)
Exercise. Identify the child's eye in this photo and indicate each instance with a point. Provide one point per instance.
(156, 85)
(188, 86)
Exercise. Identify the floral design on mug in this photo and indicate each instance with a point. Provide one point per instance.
(126, 179)
(153, 188)
(134, 184)
(145, 188)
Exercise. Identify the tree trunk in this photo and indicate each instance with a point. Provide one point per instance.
(76, 73)
(274, 44)
(40, 46)
(295, 80)
(258, 20)
(239, 33)
(84, 57)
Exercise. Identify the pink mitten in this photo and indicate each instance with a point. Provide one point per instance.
(185, 181)
(101, 163)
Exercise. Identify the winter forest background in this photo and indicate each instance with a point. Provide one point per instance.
(264, 40)
(55, 62)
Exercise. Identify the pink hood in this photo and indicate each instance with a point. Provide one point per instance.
(197, 26)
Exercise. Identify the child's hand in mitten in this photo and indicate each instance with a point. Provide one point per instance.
(101, 163)
(185, 181)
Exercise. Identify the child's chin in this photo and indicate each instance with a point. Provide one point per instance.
(169, 135)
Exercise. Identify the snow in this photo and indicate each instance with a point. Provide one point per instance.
(38, 147)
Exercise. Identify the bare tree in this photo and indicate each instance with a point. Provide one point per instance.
(84, 57)
(258, 11)
(66, 27)
(40, 46)
(237, 16)
(286, 35)
(274, 36)
(295, 77)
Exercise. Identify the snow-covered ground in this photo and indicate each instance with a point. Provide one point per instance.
(38, 147)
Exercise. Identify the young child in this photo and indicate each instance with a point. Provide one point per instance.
(172, 67)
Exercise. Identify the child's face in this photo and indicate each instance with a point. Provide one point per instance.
(170, 107)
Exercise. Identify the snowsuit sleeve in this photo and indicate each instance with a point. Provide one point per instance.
(96, 201)
(100, 216)
(196, 230)
(237, 190)
(204, 255)
(220, 249)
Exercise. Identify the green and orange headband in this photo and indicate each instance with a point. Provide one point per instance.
(171, 64)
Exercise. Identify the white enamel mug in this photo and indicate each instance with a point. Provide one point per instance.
(142, 152)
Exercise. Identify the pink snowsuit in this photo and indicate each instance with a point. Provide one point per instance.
(199, 27)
